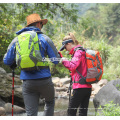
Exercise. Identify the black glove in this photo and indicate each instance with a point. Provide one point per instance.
(13, 66)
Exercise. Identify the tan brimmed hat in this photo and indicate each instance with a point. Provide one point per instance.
(35, 18)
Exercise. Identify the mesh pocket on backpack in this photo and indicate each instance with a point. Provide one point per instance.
(92, 72)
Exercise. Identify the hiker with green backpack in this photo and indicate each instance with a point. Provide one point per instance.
(86, 68)
(28, 51)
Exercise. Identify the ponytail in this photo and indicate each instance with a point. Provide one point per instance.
(73, 38)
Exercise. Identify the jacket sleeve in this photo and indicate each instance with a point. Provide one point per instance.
(9, 57)
(75, 62)
(51, 50)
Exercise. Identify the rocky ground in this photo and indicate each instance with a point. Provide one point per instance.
(61, 87)
(109, 93)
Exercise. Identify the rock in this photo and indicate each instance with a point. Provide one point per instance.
(64, 95)
(6, 87)
(58, 85)
(2, 111)
(18, 90)
(16, 76)
(102, 82)
(95, 87)
(16, 79)
(109, 92)
(60, 113)
(67, 85)
(65, 80)
(92, 95)
(58, 89)
(9, 78)
(16, 109)
(2, 71)
(56, 94)
(56, 81)
(95, 92)
(2, 103)
(63, 113)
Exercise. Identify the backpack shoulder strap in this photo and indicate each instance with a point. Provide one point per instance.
(79, 48)
(83, 78)
(39, 32)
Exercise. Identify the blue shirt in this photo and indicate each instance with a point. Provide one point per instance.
(48, 48)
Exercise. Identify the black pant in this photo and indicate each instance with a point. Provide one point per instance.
(79, 98)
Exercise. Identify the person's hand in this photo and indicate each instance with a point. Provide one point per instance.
(62, 59)
(13, 66)
(60, 54)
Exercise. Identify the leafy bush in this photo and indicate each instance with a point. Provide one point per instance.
(101, 46)
(59, 70)
(118, 87)
(112, 67)
(109, 54)
(109, 109)
(93, 30)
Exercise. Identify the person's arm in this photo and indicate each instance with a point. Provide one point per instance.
(52, 51)
(75, 62)
(9, 57)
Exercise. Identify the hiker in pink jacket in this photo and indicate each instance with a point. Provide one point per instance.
(81, 91)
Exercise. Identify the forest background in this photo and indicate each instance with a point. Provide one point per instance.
(95, 25)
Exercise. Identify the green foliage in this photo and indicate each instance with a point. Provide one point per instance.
(59, 71)
(83, 7)
(102, 47)
(110, 57)
(107, 17)
(5, 29)
(118, 86)
(94, 29)
(112, 14)
(113, 65)
(13, 16)
(109, 109)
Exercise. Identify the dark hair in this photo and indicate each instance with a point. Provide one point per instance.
(34, 24)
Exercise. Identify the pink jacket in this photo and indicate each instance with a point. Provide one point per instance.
(78, 62)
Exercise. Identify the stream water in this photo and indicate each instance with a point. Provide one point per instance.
(62, 104)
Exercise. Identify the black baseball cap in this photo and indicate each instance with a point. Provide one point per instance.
(64, 43)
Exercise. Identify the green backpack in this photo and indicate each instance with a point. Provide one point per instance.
(28, 56)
